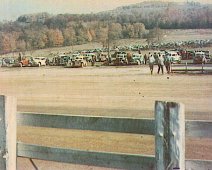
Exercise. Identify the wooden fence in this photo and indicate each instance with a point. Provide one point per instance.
(169, 128)
(190, 67)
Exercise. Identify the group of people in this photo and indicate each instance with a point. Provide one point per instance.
(161, 61)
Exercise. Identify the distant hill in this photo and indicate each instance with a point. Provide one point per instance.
(169, 15)
(165, 14)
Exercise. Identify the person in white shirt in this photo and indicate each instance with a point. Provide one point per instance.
(151, 63)
(160, 63)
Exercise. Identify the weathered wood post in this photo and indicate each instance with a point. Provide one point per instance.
(170, 136)
(202, 67)
(7, 133)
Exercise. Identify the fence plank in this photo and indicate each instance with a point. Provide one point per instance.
(170, 135)
(96, 123)
(199, 128)
(198, 164)
(159, 136)
(7, 133)
(103, 159)
(194, 128)
(176, 135)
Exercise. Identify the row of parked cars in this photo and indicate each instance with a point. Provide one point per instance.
(26, 61)
(168, 45)
(81, 59)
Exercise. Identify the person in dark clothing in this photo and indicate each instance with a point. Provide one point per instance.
(145, 59)
(168, 61)
(93, 61)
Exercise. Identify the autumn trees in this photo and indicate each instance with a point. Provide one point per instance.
(38, 31)
(36, 35)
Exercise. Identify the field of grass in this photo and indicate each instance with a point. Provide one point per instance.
(111, 91)
(108, 91)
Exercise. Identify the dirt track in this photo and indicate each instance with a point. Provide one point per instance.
(123, 91)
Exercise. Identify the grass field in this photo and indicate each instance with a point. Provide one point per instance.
(112, 91)
(108, 91)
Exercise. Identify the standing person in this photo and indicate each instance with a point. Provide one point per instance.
(204, 59)
(149, 55)
(129, 57)
(168, 61)
(93, 60)
(151, 63)
(160, 63)
(139, 51)
(20, 56)
(145, 59)
(47, 61)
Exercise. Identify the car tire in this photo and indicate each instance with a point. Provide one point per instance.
(71, 64)
(138, 62)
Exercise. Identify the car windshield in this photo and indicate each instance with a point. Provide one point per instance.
(199, 55)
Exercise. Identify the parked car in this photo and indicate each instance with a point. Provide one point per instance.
(200, 58)
(75, 54)
(136, 59)
(41, 61)
(119, 58)
(78, 61)
(102, 57)
(60, 60)
(55, 61)
(9, 62)
(63, 59)
(176, 58)
(28, 61)
(89, 57)
(207, 53)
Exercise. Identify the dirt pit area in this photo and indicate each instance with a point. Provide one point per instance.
(105, 91)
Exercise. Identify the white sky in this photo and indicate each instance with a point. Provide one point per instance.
(12, 9)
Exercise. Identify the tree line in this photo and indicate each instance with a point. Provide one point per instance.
(30, 36)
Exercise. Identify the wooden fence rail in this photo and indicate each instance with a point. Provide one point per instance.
(190, 67)
(104, 159)
(169, 128)
(193, 128)
(96, 123)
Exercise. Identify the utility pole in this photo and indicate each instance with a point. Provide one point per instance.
(108, 37)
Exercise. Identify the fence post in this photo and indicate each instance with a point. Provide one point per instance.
(7, 133)
(186, 67)
(169, 136)
(202, 68)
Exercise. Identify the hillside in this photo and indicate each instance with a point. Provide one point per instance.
(40, 31)
(166, 14)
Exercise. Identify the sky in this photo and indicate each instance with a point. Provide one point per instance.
(12, 9)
